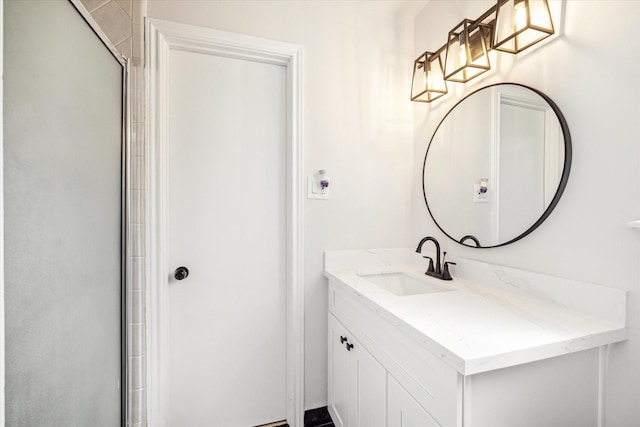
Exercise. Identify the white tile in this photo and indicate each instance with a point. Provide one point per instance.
(124, 48)
(113, 21)
(137, 62)
(137, 35)
(138, 402)
(138, 10)
(137, 207)
(127, 267)
(137, 92)
(138, 339)
(125, 5)
(92, 5)
(137, 369)
(137, 273)
(137, 148)
(137, 173)
(137, 306)
(137, 240)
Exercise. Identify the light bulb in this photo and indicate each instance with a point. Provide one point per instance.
(425, 77)
(462, 59)
(520, 15)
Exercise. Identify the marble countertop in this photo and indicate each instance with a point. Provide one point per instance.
(492, 316)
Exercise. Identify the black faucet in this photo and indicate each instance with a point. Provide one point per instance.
(471, 237)
(439, 271)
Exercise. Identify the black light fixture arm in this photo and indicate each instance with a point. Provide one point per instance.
(486, 33)
(476, 23)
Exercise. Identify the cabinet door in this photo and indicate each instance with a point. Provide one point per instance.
(404, 411)
(339, 383)
(368, 393)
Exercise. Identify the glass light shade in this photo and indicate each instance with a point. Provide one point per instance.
(428, 78)
(466, 52)
(520, 24)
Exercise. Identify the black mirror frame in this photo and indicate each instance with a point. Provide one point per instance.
(568, 153)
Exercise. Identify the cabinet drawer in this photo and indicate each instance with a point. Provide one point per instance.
(432, 383)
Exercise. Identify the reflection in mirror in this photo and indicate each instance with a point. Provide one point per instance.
(496, 165)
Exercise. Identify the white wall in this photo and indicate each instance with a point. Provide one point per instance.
(449, 182)
(357, 72)
(357, 125)
(591, 69)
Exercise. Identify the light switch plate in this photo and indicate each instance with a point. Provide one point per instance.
(479, 197)
(313, 189)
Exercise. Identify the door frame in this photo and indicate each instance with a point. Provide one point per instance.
(162, 37)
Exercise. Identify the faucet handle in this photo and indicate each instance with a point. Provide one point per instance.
(445, 271)
(430, 269)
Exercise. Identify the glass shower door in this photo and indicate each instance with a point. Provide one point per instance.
(63, 142)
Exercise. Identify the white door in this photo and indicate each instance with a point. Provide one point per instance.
(227, 225)
(521, 176)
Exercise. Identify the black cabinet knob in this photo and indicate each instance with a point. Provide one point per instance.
(342, 339)
(349, 346)
(181, 273)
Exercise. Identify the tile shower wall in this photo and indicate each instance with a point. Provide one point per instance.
(122, 21)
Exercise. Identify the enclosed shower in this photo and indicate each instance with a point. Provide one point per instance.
(64, 175)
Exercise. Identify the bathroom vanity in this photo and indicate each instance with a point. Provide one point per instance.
(494, 347)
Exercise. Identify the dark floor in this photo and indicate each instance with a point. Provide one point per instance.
(318, 418)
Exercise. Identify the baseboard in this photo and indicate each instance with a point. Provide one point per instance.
(318, 417)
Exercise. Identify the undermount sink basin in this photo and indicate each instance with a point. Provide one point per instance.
(401, 284)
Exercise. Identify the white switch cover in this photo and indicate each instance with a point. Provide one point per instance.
(479, 197)
(313, 189)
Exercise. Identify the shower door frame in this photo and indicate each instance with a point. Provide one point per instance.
(124, 217)
(2, 416)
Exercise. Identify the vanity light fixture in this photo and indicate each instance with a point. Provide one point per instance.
(428, 77)
(520, 24)
(467, 51)
(508, 26)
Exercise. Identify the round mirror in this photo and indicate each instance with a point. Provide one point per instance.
(496, 165)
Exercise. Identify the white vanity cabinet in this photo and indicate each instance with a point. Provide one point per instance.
(360, 388)
(357, 390)
(404, 410)
(378, 381)
(390, 378)
(494, 347)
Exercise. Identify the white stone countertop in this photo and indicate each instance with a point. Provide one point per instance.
(492, 317)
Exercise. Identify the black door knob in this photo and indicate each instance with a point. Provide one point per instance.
(181, 273)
